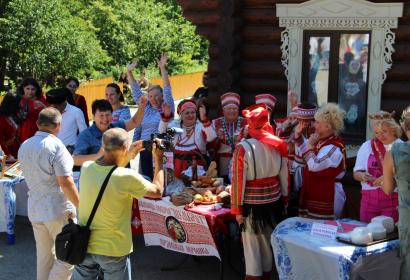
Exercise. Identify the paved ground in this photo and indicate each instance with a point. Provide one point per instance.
(18, 261)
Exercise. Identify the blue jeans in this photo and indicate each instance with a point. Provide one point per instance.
(114, 268)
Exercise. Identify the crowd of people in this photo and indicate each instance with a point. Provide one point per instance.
(276, 168)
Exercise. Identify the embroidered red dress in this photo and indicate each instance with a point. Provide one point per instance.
(191, 142)
(325, 165)
(30, 109)
(228, 135)
(9, 140)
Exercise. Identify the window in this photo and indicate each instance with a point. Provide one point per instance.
(362, 28)
(335, 67)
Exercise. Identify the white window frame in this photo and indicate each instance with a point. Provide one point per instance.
(349, 15)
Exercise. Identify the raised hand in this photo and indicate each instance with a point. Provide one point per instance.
(162, 62)
(293, 98)
(166, 109)
(300, 127)
(132, 65)
(202, 113)
(313, 139)
(143, 101)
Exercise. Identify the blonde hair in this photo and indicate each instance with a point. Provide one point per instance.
(332, 114)
(405, 119)
(385, 118)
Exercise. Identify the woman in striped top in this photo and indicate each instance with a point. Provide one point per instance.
(114, 95)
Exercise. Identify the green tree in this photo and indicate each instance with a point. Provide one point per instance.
(41, 38)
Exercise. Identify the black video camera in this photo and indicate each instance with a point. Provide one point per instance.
(166, 139)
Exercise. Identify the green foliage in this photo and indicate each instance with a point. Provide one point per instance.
(43, 39)
(92, 38)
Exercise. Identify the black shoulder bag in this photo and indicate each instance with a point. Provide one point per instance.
(72, 242)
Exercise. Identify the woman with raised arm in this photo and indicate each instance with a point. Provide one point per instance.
(396, 166)
(196, 134)
(157, 96)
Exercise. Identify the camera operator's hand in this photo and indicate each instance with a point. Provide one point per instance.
(202, 113)
(166, 109)
(157, 154)
(135, 148)
(132, 65)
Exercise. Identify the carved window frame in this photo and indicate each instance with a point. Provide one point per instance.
(352, 15)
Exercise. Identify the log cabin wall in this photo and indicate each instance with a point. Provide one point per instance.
(244, 51)
(245, 56)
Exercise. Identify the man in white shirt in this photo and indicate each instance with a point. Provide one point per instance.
(52, 197)
(73, 119)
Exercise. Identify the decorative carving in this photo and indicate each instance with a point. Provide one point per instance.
(285, 50)
(388, 52)
(337, 23)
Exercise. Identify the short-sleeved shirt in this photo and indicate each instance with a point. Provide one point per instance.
(72, 124)
(89, 140)
(42, 158)
(366, 161)
(110, 228)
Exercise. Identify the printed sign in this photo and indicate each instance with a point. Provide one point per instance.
(175, 229)
(324, 230)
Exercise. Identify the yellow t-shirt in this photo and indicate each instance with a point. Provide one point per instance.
(111, 226)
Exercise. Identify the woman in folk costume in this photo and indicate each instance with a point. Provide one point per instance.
(228, 129)
(270, 101)
(260, 180)
(369, 169)
(196, 134)
(304, 118)
(322, 194)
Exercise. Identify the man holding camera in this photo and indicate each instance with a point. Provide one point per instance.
(88, 146)
(111, 241)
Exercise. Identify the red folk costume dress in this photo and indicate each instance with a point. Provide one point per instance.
(322, 194)
(9, 140)
(260, 179)
(29, 110)
(192, 142)
(228, 134)
(298, 164)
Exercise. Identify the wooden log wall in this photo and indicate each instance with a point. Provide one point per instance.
(244, 51)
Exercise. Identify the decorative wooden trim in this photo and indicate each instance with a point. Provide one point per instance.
(352, 15)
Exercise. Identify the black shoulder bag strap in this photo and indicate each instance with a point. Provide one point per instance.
(100, 194)
(253, 156)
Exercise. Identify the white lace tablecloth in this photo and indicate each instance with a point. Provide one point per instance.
(299, 255)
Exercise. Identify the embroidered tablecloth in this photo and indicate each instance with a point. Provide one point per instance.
(8, 204)
(299, 255)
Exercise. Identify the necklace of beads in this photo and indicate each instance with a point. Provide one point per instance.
(229, 137)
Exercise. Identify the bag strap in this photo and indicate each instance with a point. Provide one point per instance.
(100, 194)
(253, 156)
